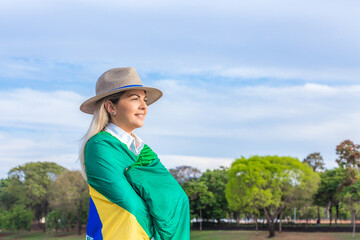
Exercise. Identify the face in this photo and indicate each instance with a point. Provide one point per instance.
(130, 110)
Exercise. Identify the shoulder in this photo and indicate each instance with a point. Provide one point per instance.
(103, 145)
(105, 155)
(101, 137)
(104, 148)
(103, 141)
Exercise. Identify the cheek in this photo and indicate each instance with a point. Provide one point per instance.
(124, 109)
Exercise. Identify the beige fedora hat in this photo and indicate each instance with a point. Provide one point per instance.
(118, 80)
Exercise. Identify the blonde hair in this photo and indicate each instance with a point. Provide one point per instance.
(101, 119)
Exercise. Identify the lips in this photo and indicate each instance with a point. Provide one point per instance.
(140, 115)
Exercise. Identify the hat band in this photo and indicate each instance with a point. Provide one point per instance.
(127, 86)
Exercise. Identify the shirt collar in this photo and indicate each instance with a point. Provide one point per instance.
(134, 144)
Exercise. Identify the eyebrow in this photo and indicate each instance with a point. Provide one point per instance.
(136, 95)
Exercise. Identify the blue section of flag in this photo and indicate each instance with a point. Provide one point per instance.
(94, 225)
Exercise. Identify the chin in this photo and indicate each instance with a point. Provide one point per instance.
(139, 125)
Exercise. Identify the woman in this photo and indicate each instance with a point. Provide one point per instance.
(132, 195)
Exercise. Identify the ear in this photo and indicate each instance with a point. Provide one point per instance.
(110, 108)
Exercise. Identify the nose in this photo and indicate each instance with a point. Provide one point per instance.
(143, 105)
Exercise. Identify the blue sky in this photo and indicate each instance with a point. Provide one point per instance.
(239, 77)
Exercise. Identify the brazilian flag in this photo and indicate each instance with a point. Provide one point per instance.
(132, 197)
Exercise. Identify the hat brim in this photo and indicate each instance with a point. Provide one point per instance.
(152, 94)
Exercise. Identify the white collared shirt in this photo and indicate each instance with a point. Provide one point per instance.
(135, 145)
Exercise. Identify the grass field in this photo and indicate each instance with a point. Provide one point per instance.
(197, 235)
(40, 236)
(251, 235)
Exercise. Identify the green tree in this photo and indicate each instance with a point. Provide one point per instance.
(11, 192)
(57, 220)
(351, 200)
(16, 218)
(316, 161)
(349, 158)
(215, 181)
(34, 180)
(199, 196)
(69, 192)
(239, 202)
(272, 182)
(329, 191)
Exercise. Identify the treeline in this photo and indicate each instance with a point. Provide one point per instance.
(259, 187)
(37, 191)
(271, 187)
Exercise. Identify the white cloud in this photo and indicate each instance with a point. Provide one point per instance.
(18, 147)
(304, 111)
(316, 46)
(32, 108)
(310, 110)
(202, 163)
(40, 125)
(307, 74)
(261, 36)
